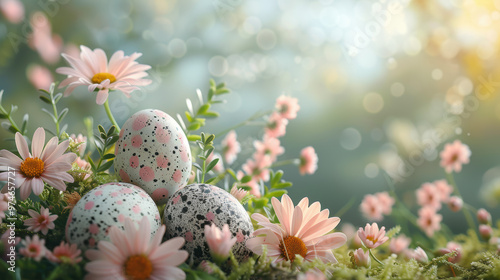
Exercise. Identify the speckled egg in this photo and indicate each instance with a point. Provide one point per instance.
(153, 153)
(197, 205)
(105, 206)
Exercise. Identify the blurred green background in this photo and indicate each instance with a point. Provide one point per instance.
(382, 85)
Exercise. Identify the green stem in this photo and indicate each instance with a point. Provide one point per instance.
(203, 172)
(252, 118)
(110, 115)
(468, 217)
(285, 162)
(55, 114)
(13, 123)
(374, 258)
(346, 207)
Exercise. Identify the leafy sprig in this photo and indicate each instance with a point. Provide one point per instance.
(56, 116)
(10, 125)
(103, 144)
(206, 144)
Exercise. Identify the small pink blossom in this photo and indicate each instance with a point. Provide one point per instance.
(428, 220)
(454, 247)
(12, 10)
(371, 208)
(308, 161)
(219, 242)
(454, 155)
(420, 256)
(386, 202)
(81, 141)
(276, 125)
(33, 248)
(287, 107)
(268, 147)
(455, 203)
(399, 244)
(230, 147)
(362, 258)
(47, 45)
(371, 236)
(40, 77)
(485, 231)
(65, 253)
(483, 216)
(258, 169)
(238, 193)
(205, 266)
(444, 189)
(40, 222)
(428, 195)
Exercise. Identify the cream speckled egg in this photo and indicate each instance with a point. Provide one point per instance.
(197, 205)
(105, 206)
(153, 152)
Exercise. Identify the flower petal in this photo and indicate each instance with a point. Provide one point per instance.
(22, 146)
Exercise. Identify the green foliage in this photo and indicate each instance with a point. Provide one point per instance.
(10, 125)
(103, 144)
(57, 117)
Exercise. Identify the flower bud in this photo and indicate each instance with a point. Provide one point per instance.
(420, 256)
(455, 203)
(485, 231)
(361, 258)
(483, 216)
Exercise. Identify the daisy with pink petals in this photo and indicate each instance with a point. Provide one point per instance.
(371, 208)
(372, 236)
(428, 220)
(444, 189)
(238, 193)
(65, 253)
(386, 202)
(47, 164)
(399, 244)
(308, 161)
(92, 69)
(454, 155)
(287, 106)
(276, 125)
(219, 241)
(140, 258)
(33, 248)
(230, 147)
(42, 221)
(303, 230)
(268, 147)
(428, 195)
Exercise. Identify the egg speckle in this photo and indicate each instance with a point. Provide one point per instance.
(197, 205)
(153, 152)
(105, 206)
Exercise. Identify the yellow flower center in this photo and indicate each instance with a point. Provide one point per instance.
(291, 246)
(372, 238)
(32, 167)
(99, 77)
(138, 267)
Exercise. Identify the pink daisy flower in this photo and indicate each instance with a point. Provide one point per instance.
(219, 241)
(428, 220)
(308, 161)
(93, 70)
(4, 205)
(444, 190)
(399, 244)
(276, 125)
(428, 195)
(303, 230)
(65, 253)
(12, 10)
(287, 107)
(141, 258)
(371, 236)
(40, 77)
(238, 193)
(362, 258)
(268, 147)
(371, 208)
(230, 147)
(454, 155)
(33, 248)
(47, 164)
(386, 202)
(40, 222)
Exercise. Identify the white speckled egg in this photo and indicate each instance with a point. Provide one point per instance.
(153, 153)
(197, 205)
(105, 206)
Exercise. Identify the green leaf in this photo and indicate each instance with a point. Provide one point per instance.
(111, 130)
(50, 114)
(212, 83)
(210, 180)
(231, 172)
(25, 123)
(282, 185)
(113, 139)
(203, 109)
(3, 116)
(197, 166)
(44, 91)
(13, 108)
(45, 99)
(52, 87)
(89, 159)
(246, 188)
(105, 166)
(211, 114)
(63, 114)
(209, 151)
(194, 126)
(246, 179)
(192, 138)
(212, 164)
(108, 156)
(276, 193)
(101, 129)
(210, 139)
(188, 116)
(58, 97)
(221, 85)
(222, 91)
(260, 202)
(277, 177)
(211, 93)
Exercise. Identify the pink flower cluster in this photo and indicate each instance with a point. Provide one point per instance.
(374, 206)
(454, 155)
(430, 196)
(35, 248)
